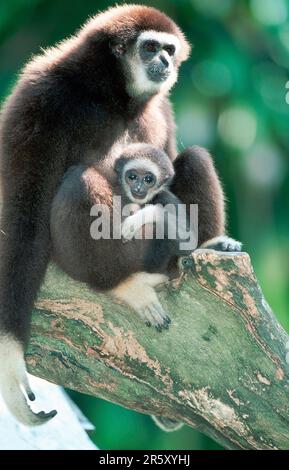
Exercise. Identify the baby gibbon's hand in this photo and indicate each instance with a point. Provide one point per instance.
(130, 226)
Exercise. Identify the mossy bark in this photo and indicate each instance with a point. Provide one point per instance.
(221, 367)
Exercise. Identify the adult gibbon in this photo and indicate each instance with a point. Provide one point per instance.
(79, 103)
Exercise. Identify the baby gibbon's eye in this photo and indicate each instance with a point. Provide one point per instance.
(131, 176)
(149, 179)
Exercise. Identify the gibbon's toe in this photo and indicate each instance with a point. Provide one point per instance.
(167, 320)
(154, 315)
(234, 245)
(31, 396)
(223, 243)
(231, 245)
(47, 416)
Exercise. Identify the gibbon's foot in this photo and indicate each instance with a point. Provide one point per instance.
(154, 315)
(14, 384)
(222, 243)
(46, 416)
(138, 292)
(167, 424)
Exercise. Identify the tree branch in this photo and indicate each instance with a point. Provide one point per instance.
(221, 367)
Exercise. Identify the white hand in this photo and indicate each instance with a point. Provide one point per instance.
(130, 226)
(134, 222)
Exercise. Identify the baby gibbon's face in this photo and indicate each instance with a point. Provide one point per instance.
(143, 172)
(140, 184)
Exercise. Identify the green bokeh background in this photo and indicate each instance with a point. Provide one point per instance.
(231, 98)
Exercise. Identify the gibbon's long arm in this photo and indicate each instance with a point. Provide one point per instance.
(30, 172)
(196, 182)
(149, 214)
(24, 254)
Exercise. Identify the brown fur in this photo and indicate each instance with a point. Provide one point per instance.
(103, 263)
(196, 182)
(70, 107)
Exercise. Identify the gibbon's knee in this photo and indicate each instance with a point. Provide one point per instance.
(196, 182)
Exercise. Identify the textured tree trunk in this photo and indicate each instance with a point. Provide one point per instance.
(221, 367)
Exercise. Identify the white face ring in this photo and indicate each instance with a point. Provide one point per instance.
(139, 82)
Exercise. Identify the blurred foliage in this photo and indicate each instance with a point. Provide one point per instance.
(231, 97)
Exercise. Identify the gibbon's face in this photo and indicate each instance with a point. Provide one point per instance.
(141, 181)
(151, 63)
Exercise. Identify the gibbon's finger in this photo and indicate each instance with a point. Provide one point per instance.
(26, 386)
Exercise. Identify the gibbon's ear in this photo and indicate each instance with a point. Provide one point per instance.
(119, 164)
(117, 48)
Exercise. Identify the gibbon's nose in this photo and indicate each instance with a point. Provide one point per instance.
(164, 61)
(138, 191)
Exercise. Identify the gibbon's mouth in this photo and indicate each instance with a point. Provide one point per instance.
(138, 195)
(158, 74)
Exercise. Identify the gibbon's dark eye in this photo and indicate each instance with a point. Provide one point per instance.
(131, 176)
(149, 179)
(150, 46)
(170, 49)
